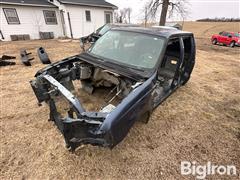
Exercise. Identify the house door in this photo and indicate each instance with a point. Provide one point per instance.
(108, 17)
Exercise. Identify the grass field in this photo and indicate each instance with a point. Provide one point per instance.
(199, 122)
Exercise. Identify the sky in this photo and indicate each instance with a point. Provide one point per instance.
(197, 8)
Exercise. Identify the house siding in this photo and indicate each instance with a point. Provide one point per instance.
(80, 27)
(31, 22)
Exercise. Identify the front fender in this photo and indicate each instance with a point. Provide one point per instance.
(118, 122)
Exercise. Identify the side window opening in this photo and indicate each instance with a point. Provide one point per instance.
(224, 34)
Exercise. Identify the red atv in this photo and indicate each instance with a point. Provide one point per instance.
(227, 38)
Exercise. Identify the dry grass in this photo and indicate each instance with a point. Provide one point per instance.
(200, 122)
(206, 29)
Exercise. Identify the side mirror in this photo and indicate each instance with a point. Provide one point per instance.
(230, 36)
(82, 44)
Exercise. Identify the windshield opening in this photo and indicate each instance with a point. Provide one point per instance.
(130, 48)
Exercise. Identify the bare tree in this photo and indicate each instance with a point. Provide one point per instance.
(37, 22)
(124, 15)
(145, 16)
(167, 7)
(116, 17)
(129, 11)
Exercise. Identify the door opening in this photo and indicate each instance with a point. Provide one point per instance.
(170, 63)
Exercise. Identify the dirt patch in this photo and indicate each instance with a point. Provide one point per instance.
(199, 122)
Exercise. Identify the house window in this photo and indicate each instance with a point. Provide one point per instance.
(88, 16)
(11, 15)
(50, 17)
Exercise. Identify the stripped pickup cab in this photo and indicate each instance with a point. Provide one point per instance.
(131, 70)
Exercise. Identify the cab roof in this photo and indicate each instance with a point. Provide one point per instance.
(164, 32)
(123, 25)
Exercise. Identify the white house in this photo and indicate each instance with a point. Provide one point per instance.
(64, 18)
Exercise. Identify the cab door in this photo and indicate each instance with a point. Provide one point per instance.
(229, 38)
(223, 38)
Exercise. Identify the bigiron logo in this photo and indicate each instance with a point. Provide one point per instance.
(209, 169)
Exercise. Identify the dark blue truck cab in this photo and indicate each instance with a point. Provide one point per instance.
(132, 70)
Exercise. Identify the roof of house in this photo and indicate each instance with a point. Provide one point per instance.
(95, 3)
(27, 2)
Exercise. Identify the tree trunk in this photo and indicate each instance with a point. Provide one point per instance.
(164, 12)
(129, 16)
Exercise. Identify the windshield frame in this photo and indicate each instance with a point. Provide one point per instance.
(104, 28)
(137, 68)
